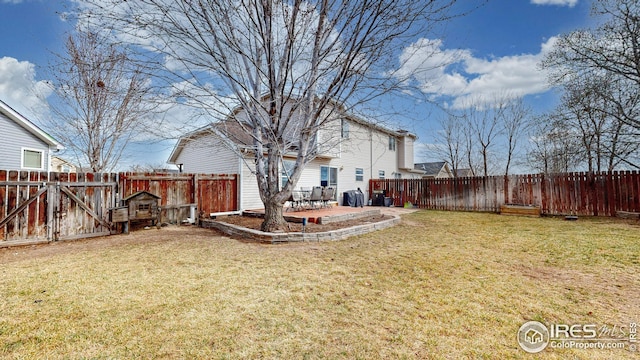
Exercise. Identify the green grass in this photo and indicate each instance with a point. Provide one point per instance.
(440, 285)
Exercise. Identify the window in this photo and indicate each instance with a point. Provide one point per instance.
(397, 175)
(392, 143)
(344, 129)
(287, 169)
(381, 174)
(32, 159)
(359, 174)
(328, 176)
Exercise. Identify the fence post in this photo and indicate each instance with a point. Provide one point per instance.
(543, 194)
(53, 203)
(506, 190)
(196, 196)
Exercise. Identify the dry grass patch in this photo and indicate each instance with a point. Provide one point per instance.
(440, 285)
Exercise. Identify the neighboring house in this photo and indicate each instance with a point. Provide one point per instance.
(358, 151)
(465, 173)
(59, 164)
(434, 170)
(23, 145)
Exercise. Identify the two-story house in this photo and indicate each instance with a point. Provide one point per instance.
(351, 151)
(23, 145)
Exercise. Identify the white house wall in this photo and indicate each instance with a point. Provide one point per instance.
(249, 192)
(208, 155)
(366, 148)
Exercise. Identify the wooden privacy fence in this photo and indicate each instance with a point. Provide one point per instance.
(208, 193)
(40, 206)
(590, 194)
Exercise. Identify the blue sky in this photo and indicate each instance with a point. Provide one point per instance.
(497, 47)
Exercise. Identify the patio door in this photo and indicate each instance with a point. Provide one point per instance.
(329, 177)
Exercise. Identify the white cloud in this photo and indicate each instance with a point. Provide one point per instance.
(569, 3)
(426, 62)
(465, 79)
(20, 90)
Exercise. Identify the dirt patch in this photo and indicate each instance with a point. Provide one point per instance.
(138, 235)
(141, 236)
(621, 287)
(251, 222)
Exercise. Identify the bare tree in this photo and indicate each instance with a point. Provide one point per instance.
(291, 66)
(606, 139)
(483, 125)
(450, 142)
(483, 132)
(515, 122)
(612, 50)
(100, 100)
(554, 145)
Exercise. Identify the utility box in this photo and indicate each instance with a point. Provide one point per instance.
(120, 214)
(143, 205)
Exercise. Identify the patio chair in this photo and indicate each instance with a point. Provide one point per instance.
(316, 196)
(306, 193)
(296, 200)
(327, 195)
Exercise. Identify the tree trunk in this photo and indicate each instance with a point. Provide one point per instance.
(273, 219)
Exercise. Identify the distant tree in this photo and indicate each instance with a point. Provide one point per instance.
(99, 102)
(151, 168)
(606, 139)
(292, 66)
(483, 126)
(516, 121)
(450, 142)
(482, 134)
(610, 51)
(554, 145)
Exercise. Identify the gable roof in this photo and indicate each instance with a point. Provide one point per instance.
(29, 126)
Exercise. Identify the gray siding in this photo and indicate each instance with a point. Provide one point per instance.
(13, 138)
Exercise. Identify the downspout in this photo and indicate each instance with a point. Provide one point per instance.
(50, 157)
(240, 179)
(370, 165)
(48, 169)
(370, 154)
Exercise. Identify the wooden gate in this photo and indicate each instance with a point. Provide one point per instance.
(41, 207)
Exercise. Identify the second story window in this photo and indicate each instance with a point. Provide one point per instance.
(392, 143)
(359, 174)
(381, 174)
(344, 129)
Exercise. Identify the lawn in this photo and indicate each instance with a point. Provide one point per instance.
(440, 285)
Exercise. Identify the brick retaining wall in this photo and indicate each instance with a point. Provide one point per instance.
(278, 238)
